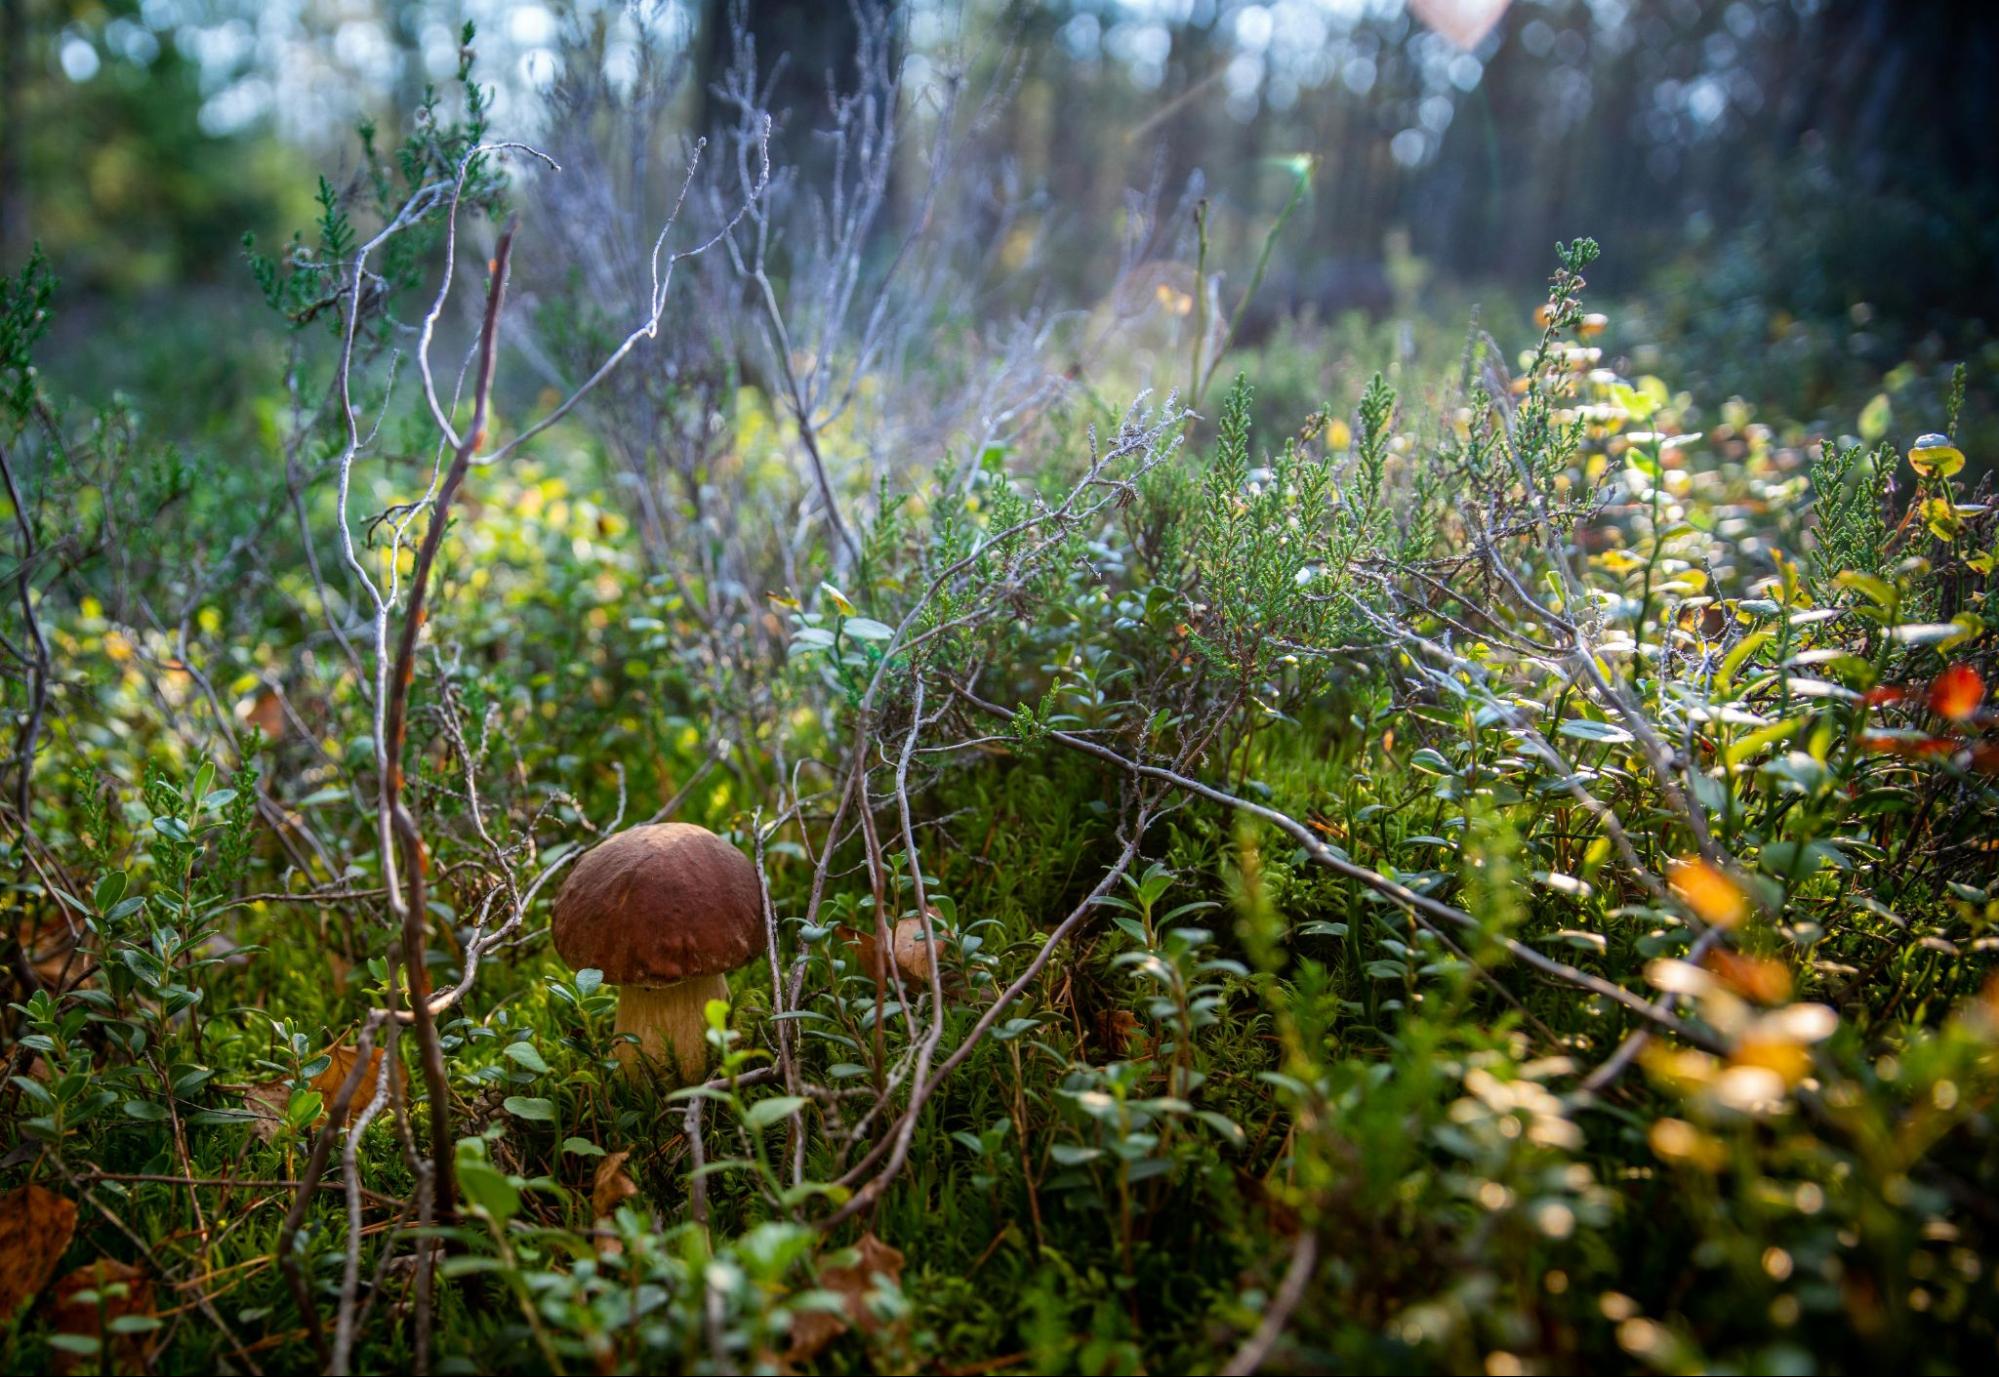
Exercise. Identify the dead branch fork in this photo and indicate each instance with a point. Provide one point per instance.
(410, 906)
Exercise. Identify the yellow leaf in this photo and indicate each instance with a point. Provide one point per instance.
(1942, 519)
(1716, 899)
(1934, 456)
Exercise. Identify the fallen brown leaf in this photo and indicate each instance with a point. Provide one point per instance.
(812, 1330)
(268, 1102)
(265, 713)
(88, 1300)
(612, 1185)
(866, 950)
(1118, 1029)
(48, 945)
(343, 1057)
(36, 1226)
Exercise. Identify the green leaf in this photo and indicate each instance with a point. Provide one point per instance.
(1227, 1127)
(1733, 662)
(1876, 417)
(867, 629)
(488, 1190)
(524, 1055)
(34, 1090)
(1799, 771)
(110, 889)
(1876, 590)
(581, 1147)
(529, 1107)
(1588, 729)
(1749, 745)
(764, 1113)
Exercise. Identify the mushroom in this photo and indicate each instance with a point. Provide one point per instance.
(665, 911)
(912, 952)
(913, 955)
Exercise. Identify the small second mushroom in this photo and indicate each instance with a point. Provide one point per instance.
(913, 955)
(665, 911)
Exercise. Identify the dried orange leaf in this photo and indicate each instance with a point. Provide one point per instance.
(90, 1301)
(1714, 898)
(812, 1330)
(1754, 977)
(264, 712)
(339, 1066)
(35, 1228)
(48, 945)
(270, 1103)
(611, 1186)
(267, 1103)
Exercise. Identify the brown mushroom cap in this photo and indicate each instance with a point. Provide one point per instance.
(660, 903)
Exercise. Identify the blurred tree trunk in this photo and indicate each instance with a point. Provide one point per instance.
(1890, 85)
(13, 131)
(806, 44)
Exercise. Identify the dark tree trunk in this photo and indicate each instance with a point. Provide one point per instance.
(809, 46)
(13, 131)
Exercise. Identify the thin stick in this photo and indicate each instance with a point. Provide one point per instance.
(411, 910)
(38, 664)
(1304, 1257)
(1421, 906)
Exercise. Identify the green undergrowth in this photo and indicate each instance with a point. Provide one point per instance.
(1541, 825)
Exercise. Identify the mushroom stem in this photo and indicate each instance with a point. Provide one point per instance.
(671, 1024)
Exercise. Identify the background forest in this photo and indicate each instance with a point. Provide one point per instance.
(1345, 641)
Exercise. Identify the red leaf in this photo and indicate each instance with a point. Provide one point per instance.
(1918, 748)
(1957, 692)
